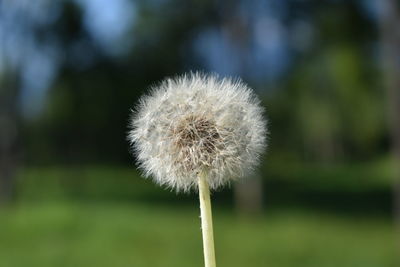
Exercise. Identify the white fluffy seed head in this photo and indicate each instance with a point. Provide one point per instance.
(198, 123)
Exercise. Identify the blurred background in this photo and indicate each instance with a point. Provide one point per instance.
(328, 73)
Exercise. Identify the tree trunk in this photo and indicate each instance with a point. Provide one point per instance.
(8, 137)
(390, 34)
(8, 131)
(7, 174)
(8, 149)
(249, 196)
(9, 112)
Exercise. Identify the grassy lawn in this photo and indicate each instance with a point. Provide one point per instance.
(99, 234)
(105, 216)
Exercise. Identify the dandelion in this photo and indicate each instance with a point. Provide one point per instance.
(198, 132)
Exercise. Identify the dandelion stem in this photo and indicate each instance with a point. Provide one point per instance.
(206, 221)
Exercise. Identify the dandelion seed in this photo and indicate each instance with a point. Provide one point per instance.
(197, 123)
(198, 132)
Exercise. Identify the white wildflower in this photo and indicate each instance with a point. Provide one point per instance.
(198, 123)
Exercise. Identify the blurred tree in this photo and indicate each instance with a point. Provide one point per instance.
(334, 97)
(390, 34)
(338, 106)
(326, 106)
(9, 109)
(329, 107)
(85, 118)
(8, 131)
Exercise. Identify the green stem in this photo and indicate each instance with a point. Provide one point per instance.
(206, 221)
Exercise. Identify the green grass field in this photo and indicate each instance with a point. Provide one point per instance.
(109, 217)
(77, 234)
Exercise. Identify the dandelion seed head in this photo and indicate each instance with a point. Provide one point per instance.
(198, 123)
